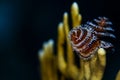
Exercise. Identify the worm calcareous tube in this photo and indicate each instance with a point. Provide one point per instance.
(86, 39)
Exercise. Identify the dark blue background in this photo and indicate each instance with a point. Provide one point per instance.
(26, 24)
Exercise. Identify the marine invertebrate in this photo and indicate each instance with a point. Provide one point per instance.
(48, 61)
(58, 67)
(118, 75)
(85, 39)
(88, 69)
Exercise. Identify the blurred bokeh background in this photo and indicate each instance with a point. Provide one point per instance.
(26, 24)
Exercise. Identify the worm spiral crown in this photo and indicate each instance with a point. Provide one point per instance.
(85, 39)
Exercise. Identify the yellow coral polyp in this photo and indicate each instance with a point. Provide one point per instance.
(92, 69)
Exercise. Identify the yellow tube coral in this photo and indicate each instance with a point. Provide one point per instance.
(76, 17)
(48, 61)
(52, 64)
(118, 76)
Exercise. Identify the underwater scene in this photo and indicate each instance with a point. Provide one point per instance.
(59, 40)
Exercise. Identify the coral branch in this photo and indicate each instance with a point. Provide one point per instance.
(76, 17)
(48, 62)
(118, 76)
(62, 64)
